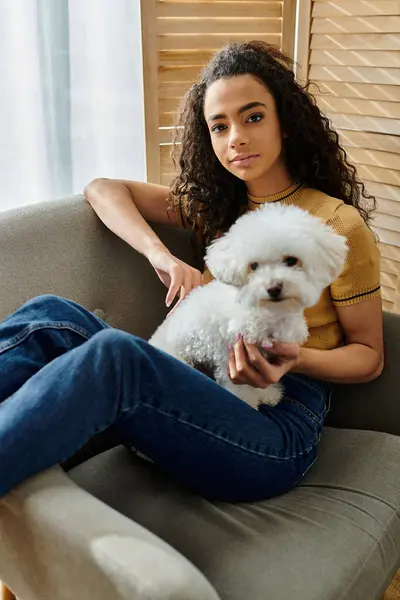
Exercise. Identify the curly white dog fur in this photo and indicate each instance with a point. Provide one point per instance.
(271, 264)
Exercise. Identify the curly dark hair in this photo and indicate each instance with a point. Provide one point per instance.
(208, 196)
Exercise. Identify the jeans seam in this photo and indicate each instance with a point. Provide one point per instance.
(318, 419)
(307, 411)
(29, 329)
(315, 389)
(215, 435)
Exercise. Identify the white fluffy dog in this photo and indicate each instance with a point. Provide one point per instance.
(271, 264)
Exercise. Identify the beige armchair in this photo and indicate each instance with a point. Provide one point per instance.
(111, 525)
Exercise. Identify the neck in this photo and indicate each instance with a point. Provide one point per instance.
(277, 179)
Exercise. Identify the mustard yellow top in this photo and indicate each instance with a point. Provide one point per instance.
(360, 279)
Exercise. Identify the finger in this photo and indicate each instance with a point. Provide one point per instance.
(193, 279)
(232, 370)
(201, 278)
(182, 296)
(258, 361)
(184, 290)
(271, 373)
(285, 350)
(173, 309)
(186, 287)
(245, 369)
(254, 355)
(198, 279)
(173, 288)
(193, 276)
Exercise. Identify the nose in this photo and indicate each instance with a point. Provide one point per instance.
(237, 137)
(275, 291)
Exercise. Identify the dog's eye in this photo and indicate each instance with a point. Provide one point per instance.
(254, 266)
(291, 261)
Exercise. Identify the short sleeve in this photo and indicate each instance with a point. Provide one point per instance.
(360, 279)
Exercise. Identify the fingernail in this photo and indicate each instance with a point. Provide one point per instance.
(230, 345)
(267, 345)
(238, 336)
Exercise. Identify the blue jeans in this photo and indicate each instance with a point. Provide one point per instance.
(65, 376)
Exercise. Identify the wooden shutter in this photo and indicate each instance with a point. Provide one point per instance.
(179, 37)
(351, 49)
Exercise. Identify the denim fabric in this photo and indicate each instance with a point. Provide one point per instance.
(65, 376)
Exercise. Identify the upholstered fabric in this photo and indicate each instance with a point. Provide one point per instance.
(60, 543)
(337, 535)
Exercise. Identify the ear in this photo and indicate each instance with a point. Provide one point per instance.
(225, 260)
(332, 249)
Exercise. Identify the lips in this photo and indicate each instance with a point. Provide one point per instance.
(244, 159)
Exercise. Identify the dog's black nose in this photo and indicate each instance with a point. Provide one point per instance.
(275, 291)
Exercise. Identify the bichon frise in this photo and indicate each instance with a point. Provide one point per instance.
(272, 264)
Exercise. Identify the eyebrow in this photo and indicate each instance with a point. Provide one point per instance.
(241, 110)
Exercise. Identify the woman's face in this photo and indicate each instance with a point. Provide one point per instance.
(245, 131)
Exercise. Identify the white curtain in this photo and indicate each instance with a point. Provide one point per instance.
(71, 99)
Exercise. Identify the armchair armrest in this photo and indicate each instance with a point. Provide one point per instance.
(374, 405)
(61, 247)
(58, 541)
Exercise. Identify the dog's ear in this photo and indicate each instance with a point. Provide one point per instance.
(225, 260)
(332, 249)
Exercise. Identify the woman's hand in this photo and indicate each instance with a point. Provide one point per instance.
(176, 275)
(248, 366)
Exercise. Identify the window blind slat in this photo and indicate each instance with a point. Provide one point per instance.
(201, 10)
(370, 141)
(356, 8)
(365, 91)
(247, 26)
(208, 41)
(360, 107)
(367, 41)
(374, 158)
(352, 58)
(356, 25)
(356, 74)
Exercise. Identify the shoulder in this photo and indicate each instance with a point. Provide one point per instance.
(348, 222)
(361, 240)
(343, 218)
(347, 219)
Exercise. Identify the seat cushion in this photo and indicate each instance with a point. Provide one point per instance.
(335, 536)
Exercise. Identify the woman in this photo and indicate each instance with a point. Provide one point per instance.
(251, 135)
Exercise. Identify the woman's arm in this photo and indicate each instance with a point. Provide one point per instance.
(361, 359)
(125, 207)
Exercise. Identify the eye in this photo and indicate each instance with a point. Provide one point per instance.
(291, 261)
(218, 128)
(254, 266)
(255, 118)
